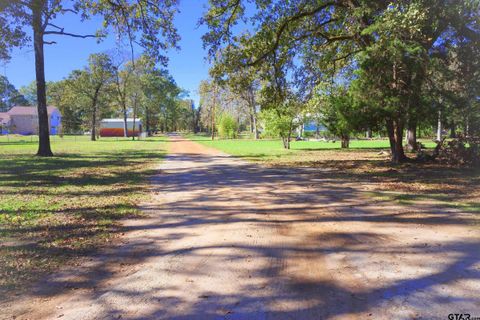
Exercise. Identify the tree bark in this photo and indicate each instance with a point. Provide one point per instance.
(194, 124)
(125, 121)
(213, 124)
(412, 144)
(439, 126)
(345, 141)
(286, 142)
(147, 122)
(369, 133)
(255, 126)
(286, 139)
(466, 125)
(122, 99)
(395, 136)
(251, 123)
(44, 149)
(453, 130)
(134, 115)
(94, 118)
(213, 111)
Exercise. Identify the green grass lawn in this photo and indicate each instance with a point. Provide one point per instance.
(272, 148)
(301, 153)
(52, 209)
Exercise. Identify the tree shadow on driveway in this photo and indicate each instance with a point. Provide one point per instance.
(235, 240)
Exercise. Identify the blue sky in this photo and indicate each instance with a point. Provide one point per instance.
(187, 66)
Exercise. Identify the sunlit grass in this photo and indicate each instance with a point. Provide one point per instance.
(268, 149)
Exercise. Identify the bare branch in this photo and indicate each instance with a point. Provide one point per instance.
(69, 10)
(55, 26)
(62, 33)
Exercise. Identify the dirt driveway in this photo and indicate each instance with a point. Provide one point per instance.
(226, 239)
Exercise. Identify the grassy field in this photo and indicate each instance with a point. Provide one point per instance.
(53, 209)
(56, 209)
(365, 163)
(302, 153)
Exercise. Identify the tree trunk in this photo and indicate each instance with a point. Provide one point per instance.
(345, 141)
(466, 126)
(125, 120)
(194, 124)
(251, 123)
(369, 133)
(439, 126)
(255, 126)
(213, 111)
(412, 144)
(213, 125)
(395, 136)
(44, 149)
(94, 119)
(196, 127)
(134, 115)
(453, 130)
(286, 142)
(147, 122)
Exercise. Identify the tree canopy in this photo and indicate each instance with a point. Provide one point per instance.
(385, 51)
(9, 95)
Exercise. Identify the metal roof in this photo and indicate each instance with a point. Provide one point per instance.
(26, 110)
(120, 120)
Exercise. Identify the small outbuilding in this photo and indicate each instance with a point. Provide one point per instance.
(116, 127)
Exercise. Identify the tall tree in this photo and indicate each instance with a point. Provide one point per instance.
(152, 20)
(209, 98)
(29, 91)
(9, 95)
(91, 83)
(243, 84)
(73, 105)
(334, 105)
(122, 85)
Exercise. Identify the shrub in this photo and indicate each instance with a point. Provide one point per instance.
(275, 125)
(461, 151)
(227, 127)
